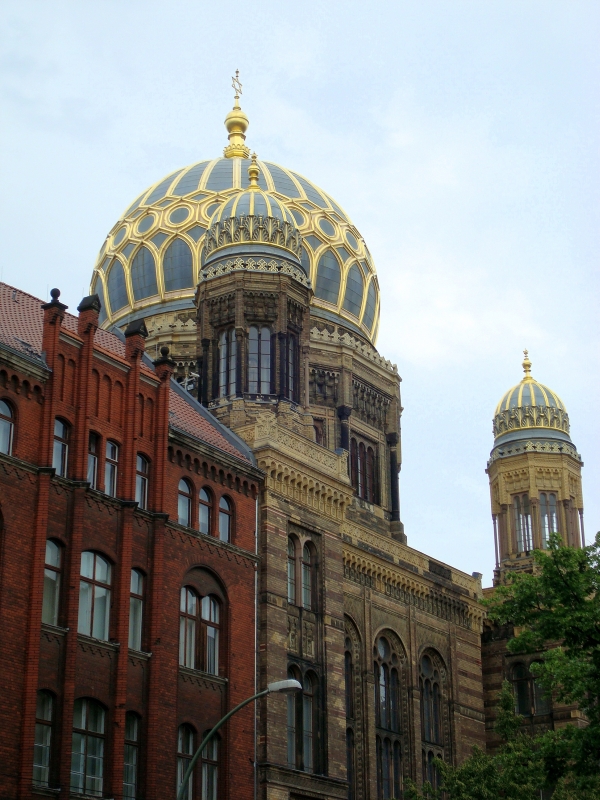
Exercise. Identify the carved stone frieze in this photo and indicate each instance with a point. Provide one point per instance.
(260, 306)
(308, 640)
(530, 417)
(324, 387)
(370, 405)
(253, 265)
(295, 312)
(253, 229)
(221, 310)
(292, 635)
(347, 340)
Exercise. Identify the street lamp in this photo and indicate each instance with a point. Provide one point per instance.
(289, 685)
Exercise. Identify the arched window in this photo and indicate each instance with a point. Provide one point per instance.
(522, 521)
(291, 571)
(136, 609)
(370, 476)
(131, 756)
(548, 516)
(362, 468)
(184, 503)
(143, 274)
(42, 748)
(94, 596)
(210, 769)
(293, 716)
(349, 679)
(188, 622)
(307, 578)
(52, 571)
(353, 296)
(259, 360)
(292, 367)
(6, 427)
(308, 723)
(87, 759)
(225, 517)
(204, 511)
(388, 717)
(60, 452)
(432, 715)
(111, 469)
(210, 625)
(92, 465)
(227, 363)
(185, 751)
(354, 464)
(141, 481)
(177, 266)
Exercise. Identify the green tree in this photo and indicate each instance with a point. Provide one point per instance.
(556, 611)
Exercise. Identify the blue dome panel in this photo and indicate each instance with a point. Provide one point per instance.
(143, 274)
(178, 266)
(191, 180)
(221, 176)
(117, 290)
(282, 182)
(354, 291)
(328, 278)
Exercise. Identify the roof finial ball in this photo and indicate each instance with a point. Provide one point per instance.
(236, 123)
(526, 365)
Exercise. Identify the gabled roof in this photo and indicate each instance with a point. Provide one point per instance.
(21, 330)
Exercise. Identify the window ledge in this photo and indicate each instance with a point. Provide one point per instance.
(46, 791)
(57, 629)
(114, 646)
(139, 653)
(207, 676)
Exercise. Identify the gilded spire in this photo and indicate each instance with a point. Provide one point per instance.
(253, 173)
(236, 123)
(526, 365)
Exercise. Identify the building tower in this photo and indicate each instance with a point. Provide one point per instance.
(535, 475)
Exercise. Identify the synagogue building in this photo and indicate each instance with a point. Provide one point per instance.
(199, 495)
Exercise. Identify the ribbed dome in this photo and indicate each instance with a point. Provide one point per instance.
(253, 203)
(528, 405)
(150, 262)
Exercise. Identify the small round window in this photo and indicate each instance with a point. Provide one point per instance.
(118, 238)
(351, 240)
(146, 223)
(327, 227)
(179, 215)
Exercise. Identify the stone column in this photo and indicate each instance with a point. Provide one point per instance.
(343, 413)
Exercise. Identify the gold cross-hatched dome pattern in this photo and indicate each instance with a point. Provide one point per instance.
(150, 261)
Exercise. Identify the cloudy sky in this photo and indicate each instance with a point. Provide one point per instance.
(461, 138)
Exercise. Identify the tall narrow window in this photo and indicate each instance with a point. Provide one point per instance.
(308, 711)
(51, 583)
(204, 511)
(210, 763)
(292, 367)
(227, 363)
(184, 503)
(361, 470)
(210, 624)
(548, 516)
(131, 756)
(188, 621)
(111, 469)
(350, 767)
(388, 663)
(136, 607)
(292, 726)
(87, 759)
(92, 465)
(520, 681)
(307, 578)
(370, 476)
(94, 596)
(349, 679)
(354, 464)
(141, 481)
(225, 515)
(6, 427)
(259, 360)
(432, 716)
(291, 571)
(185, 751)
(60, 452)
(43, 738)
(522, 518)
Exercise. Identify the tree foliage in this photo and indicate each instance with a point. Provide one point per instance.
(555, 611)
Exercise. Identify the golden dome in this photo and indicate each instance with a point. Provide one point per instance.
(150, 262)
(529, 405)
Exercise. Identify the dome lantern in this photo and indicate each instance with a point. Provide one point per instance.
(236, 123)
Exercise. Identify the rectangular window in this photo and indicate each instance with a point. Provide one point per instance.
(43, 739)
(209, 770)
(130, 761)
(110, 469)
(87, 755)
(92, 469)
(136, 603)
(60, 449)
(94, 596)
(51, 583)
(141, 482)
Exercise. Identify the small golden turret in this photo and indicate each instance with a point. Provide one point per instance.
(253, 173)
(236, 123)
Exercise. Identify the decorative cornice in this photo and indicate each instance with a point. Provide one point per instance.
(530, 417)
(347, 340)
(522, 447)
(253, 230)
(254, 265)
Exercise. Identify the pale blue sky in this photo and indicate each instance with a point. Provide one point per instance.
(461, 137)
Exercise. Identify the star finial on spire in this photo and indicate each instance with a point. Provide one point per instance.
(526, 364)
(236, 85)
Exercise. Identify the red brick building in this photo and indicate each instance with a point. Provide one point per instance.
(127, 566)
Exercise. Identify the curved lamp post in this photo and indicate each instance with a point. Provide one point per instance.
(289, 685)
